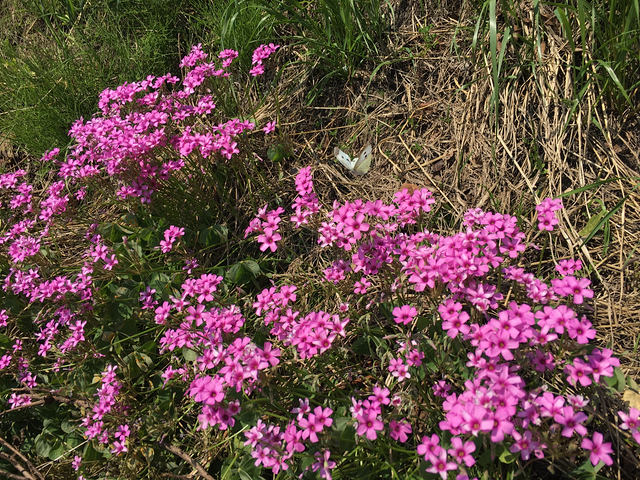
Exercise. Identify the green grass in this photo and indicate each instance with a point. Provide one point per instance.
(603, 39)
(235, 24)
(340, 36)
(54, 72)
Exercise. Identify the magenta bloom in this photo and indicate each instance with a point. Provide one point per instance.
(429, 447)
(578, 372)
(524, 444)
(399, 430)
(571, 421)
(461, 452)
(311, 427)
(631, 421)
(368, 423)
(270, 127)
(404, 314)
(440, 465)
(268, 240)
(599, 450)
(324, 464)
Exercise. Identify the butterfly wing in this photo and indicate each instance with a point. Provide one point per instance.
(344, 159)
(363, 162)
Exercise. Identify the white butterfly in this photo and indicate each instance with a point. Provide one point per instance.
(360, 164)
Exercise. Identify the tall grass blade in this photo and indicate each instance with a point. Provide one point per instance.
(493, 45)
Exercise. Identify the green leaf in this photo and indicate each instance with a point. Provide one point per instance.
(277, 153)
(58, 450)
(90, 454)
(189, 355)
(361, 346)
(5, 341)
(592, 224)
(485, 459)
(213, 235)
(151, 346)
(143, 361)
(386, 309)
(67, 426)
(148, 453)
(621, 383)
(422, 323)
(119, 311)
(145, 234)
(243, 272)
(43, 447)
(340, 424)
(348, 439)
(159, 281)
(507, 457)
(72, 441)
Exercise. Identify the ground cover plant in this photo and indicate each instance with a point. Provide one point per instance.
(185, 296)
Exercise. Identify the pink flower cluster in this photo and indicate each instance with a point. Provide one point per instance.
(408, 356)
(171, 234)
(306, 203)
(228, 362)
(94, 422)
(267, 224)
(439, 457)
(273, 447)
(546, 213)
(141, 117)
(495, 402)
(311, 335)
(227, 57)
(99, 251)
(368, 416)
(17, 400)
(261, 53)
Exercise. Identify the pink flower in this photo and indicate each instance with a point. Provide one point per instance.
(324, 464)
(399, 430)
(578, 372)
(429, 447)
(361, 286)
(380, 395)
(398, 369)
(270, 127)
(476, 420)
(571, 421)
(631, 421)
(122, 432)
(268, 240)
(404, 314)
(314, 424)
(440, 465)
(524, 444)
(368, 424)
(462, 452)
(599, 450)
(119, 447)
